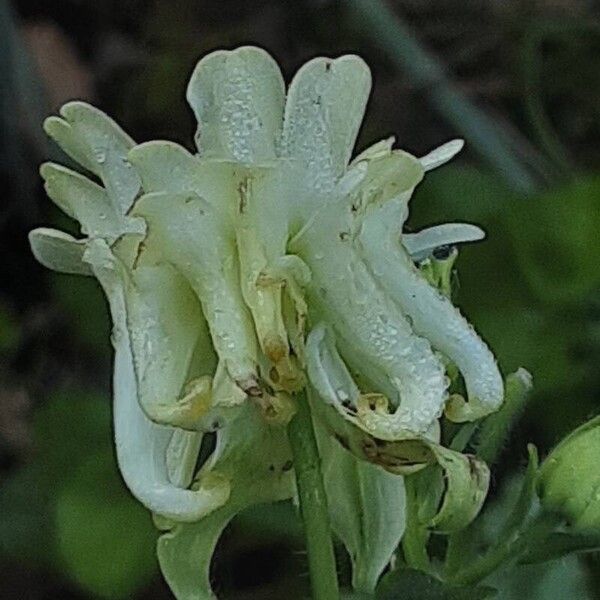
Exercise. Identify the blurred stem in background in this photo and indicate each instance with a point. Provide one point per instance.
(531, 58)
(21, 95)
(493, 143)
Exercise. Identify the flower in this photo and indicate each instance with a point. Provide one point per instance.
(234, 273)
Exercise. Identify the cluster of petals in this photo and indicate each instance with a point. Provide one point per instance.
(265, 262)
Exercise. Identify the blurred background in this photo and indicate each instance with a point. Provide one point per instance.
(518, 79)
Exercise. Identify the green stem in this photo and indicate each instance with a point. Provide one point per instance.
(313, 503)
(414, 541)
(508, 550)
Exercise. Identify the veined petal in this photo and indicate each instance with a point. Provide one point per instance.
(420, 245)
(99, 144)
(59, 251)
(323, 112)
(432, 315)
(86, 202)
(441, 155)
(237, 97)
(142, 445)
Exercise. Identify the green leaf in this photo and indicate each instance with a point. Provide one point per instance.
(105, 538)
(567, 578)
(410, 584)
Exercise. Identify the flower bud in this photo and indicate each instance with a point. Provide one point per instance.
(569, 481)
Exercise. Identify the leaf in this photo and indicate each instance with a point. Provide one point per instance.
(105, 538)
(567, 578)
(516, 518)
(410, 584)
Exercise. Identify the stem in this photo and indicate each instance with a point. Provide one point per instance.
(313, 503)
(509, 550)
(414, 541)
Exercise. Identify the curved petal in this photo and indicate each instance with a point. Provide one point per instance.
(165, 166)
(142, 445)
(441, 155)
(237, 97)
(466, 479)
(420, 245)
(59, 251)
(349, 297)
(432, 315)
(389, 177)
(377, 150)
(165, 322)
(323, 112)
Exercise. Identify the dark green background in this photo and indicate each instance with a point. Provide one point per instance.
(68, 528)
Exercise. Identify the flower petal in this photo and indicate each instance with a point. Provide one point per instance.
(99, 144)
(87, 202)
(323, 112)
(59, 251)
(345, 293)
(142, 445)
(237, 97)
(165, 167)
(420, 245)
(441, 155)
(193, 237)
(377, 150)
(432, 314)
